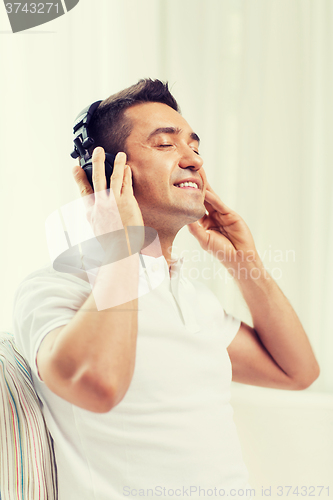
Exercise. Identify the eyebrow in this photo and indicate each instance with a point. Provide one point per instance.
(172, 130)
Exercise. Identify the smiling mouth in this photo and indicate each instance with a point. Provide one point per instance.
(188, 185)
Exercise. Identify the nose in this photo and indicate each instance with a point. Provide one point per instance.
(190, 159)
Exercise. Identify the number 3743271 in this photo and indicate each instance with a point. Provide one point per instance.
(31, 8)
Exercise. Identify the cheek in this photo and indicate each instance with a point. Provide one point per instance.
(139, 182)
(143, 184)
(202, 174)
(150, 174)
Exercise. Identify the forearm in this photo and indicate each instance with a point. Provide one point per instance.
(97, 347)
(276, 322)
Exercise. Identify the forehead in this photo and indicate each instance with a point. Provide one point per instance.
(147, 117)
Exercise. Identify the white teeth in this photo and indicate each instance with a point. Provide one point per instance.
(188, 184)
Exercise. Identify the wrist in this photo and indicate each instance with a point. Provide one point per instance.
(248, 266)
(118, 245)
(116, 283)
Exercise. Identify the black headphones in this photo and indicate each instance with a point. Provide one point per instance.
(83, 142)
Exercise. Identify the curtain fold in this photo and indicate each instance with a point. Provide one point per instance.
(253, 79)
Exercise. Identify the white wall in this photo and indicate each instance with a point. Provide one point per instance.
(254, 79)
(286, 437)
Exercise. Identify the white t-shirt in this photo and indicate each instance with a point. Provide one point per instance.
(174, 429)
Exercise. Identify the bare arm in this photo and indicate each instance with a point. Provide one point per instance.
(90, 361)
(276, 351)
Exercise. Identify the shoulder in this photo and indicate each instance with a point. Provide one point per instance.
(209, 308)
(46, 282)
(46, 299)
(47, 274)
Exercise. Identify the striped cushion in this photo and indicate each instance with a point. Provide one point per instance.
(27, 464)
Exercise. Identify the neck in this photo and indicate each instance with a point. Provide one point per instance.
(162, 245)
(166, 247)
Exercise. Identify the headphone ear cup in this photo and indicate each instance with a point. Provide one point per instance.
(88, 169)
(109, 161)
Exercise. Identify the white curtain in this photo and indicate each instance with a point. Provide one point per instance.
(254, 79)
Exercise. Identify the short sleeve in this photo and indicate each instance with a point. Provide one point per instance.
(231, 327)
(211, 313)
(44, 301)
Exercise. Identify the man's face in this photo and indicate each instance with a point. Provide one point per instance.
(162, 151)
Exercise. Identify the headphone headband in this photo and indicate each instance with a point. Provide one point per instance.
(82, 141)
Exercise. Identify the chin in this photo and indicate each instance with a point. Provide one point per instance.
(195, 214)
(199, 212)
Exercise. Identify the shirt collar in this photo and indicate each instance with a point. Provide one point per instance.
(159, 263)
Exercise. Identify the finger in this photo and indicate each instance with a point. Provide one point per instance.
(209, 206)
(209, 188)
(203, 176)
(206, 222)
(211, 191)
(200, 233)
(117, 176)
(127, 187)
(98, 173)
(214, 202)
(219, 213)
(202, 220)
(83, 184)
(82, 181)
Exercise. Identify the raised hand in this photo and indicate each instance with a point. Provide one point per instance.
(108, 210)
(223, 232)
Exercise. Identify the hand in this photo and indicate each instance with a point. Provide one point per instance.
(109, 210)
(223, 232)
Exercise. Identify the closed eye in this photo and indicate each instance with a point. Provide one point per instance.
(170, 145)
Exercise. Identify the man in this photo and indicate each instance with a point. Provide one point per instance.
(136, 396)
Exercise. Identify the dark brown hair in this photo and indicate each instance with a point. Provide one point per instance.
(109, 128)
